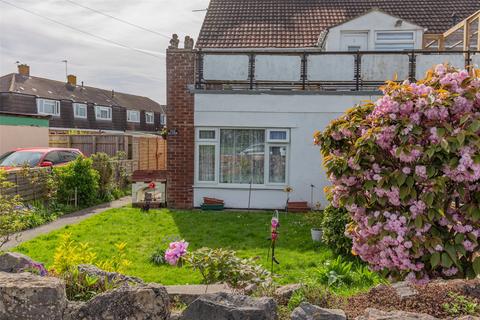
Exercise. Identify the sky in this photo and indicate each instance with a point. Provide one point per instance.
(43, 44)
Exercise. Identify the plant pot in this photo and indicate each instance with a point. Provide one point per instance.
(316, 234)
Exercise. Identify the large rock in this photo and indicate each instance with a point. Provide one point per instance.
(284, 293)
(224, 306)
(142, 302)
(404, 290)
(14, 262)
(307, 311)
(118, 278)
(374, 314)
(24, 296)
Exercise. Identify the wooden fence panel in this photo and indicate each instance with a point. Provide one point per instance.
(90, 144)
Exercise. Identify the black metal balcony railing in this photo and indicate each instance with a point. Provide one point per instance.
(358, 82)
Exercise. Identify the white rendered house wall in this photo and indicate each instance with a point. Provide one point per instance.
(302, 114)
(369, 24)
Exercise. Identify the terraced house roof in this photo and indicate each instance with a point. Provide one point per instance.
(300, 23)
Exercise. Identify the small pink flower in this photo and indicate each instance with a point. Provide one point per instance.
(176, 250)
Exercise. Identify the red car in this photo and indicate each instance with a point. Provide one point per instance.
(38, 157)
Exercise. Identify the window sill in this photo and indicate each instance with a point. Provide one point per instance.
(238, 186)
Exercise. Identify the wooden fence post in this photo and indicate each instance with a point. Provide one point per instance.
(94, 144)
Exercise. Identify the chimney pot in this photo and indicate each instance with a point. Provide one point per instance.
(24, 70)
(72, 80)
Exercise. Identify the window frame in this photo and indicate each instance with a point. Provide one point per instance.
(40, 105)
(398, 41)
(266, 170)
(130, 112)
(149, 114)
(217, 131)
(99, 108)
(286, 140)
(267, 163)
(79, 104)
(163, 119)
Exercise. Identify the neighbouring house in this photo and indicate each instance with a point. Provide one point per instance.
(75, 106)
(18, 130)
(243, 105)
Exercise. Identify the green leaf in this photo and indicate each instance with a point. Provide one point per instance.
(445, 145)
(461, 138)
(459, 238)
(476, 265)
(440, 132)
(418, 222)
(435, 259)
(474, 126)
(401, 179)
(446, 261)
(464, 119)
(452, 253)
(431, 171)
(404, 192)
(410, 181)
(429, 198)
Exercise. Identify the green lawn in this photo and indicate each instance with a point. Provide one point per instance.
(246, 233)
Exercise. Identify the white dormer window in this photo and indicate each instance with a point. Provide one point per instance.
(133, 116)
(103, 113)
(80, 110)
(48, 107)
(394, 40)
(163, 119)
(149, 117)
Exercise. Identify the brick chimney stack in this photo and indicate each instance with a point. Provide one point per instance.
(24, 70)
(72, 80)
(180, 113)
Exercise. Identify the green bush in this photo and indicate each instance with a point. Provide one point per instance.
(220, 265)
(78, 174)
(11, 211)
(103, 164)
(334, 223)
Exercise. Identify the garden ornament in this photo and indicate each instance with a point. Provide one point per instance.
(275, 224)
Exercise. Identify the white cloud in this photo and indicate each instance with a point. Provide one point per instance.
(43, 44)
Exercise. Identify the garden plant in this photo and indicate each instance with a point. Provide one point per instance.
(407, 169)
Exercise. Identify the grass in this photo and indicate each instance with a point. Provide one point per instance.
(243, 232)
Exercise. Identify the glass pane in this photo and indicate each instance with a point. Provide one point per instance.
(278, 164)
(278, 135)
(206, 163)
(207, 134)
(242, 156)
(395, 36)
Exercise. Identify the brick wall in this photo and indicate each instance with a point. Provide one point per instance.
(180, 113)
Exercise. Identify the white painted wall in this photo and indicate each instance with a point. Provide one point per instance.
(369, 23)
(302, 113)
(13, 137)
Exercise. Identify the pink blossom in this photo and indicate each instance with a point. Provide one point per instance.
(176, 250)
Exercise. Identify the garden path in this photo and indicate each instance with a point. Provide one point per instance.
(71, 218)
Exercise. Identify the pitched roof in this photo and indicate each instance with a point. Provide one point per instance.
(299, 23)
(52, 89)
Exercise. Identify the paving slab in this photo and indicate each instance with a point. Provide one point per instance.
(68, 219)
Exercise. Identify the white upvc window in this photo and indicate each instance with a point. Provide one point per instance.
(149, 117)
(240, 156)
(48, 107)
(163, 119)
(80, 110)
(103, 113)
(394, 40)
(133, 116)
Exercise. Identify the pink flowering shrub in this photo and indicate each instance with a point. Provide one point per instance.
(176, 250)
(407, 168)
